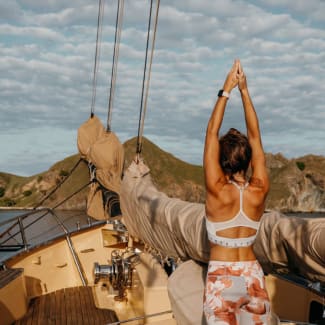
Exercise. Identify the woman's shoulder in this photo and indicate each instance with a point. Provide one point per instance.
(257, 192)
(259, 184)
(224, 194)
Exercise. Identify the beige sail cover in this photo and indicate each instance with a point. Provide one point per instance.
(186, 290)
(171, 226)
(95, 205)
(291, 244)
(107, 154)
(88, 133)
(103, 150)
(177, 228)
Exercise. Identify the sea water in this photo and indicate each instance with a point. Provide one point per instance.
(40, 226)
(7, 214)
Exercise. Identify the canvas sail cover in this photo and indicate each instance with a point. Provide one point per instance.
(171, 226)
(105, 156)
(95, 203)
(88, 133)
(296, 245)
(186, 289)
(176, 228)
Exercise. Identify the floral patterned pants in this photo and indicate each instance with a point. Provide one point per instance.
(235, 294)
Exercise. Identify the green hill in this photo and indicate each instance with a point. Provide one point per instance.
(171, 175)
(29, 191)
(296, 184)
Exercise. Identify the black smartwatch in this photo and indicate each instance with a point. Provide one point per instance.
(222, 93)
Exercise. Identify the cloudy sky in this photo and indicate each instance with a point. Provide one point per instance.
(47, 53)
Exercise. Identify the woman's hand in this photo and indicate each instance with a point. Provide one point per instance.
(242, 83)
(232, 77)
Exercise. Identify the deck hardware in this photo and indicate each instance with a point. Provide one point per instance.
(60, 266)
(115, 235)
(37, 260)
(22, 232)
(119, 272)
(89, 222)
(87, 250)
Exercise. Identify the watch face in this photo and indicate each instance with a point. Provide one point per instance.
(220, 93)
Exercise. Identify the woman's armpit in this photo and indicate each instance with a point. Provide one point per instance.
(257, 182)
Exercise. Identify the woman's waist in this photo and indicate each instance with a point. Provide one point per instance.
(220, 253)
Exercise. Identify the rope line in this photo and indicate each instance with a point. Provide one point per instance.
(118, 32)
(97, 54)
(40, 217)
(58, 185)
(70, 196)
(141, 317)
(146, 81)
(139, 144)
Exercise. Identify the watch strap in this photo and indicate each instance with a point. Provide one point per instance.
(222, 93)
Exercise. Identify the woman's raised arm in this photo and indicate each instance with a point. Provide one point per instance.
(258, 162)
(212, 170)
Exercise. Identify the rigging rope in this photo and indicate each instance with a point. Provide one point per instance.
(144, 97)
(97, 54)
(41, 216)
(118, 31)
(58, 185)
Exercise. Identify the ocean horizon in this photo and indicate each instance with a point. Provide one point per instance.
(8, 213)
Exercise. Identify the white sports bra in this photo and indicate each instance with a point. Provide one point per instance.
(239, 220)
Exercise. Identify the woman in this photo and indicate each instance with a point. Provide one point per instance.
(235, 287)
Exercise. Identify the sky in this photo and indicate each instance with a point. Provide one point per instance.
(47, 51)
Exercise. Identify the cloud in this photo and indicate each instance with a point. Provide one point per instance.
(47, 58)
(306, 10)
(10, 10)
(27, 32)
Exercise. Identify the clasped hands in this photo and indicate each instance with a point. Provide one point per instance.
(235, 77)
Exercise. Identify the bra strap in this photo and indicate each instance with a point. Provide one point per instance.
(234, 183)
(241, 190)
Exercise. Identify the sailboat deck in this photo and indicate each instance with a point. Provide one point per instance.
(67, 306)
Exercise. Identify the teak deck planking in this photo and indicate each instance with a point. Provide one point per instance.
(67, 306)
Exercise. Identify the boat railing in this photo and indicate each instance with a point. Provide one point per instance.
(18, 228)
(316, 286)
(39, 226)
(23, 229)
(141, 317)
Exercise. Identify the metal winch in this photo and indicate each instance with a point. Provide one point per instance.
(119, 272)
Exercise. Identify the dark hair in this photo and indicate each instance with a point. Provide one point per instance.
(235, 152)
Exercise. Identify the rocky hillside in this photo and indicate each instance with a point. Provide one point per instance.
(296, 184)
(16, 191)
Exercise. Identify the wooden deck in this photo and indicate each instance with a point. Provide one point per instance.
(67, 306)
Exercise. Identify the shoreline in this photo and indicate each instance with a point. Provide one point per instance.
(15, 208)
(266, 211)
(293, 212)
